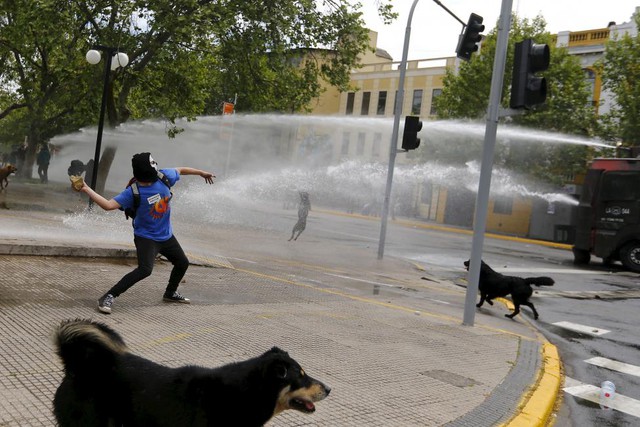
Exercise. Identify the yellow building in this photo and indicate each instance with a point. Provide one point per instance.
(375, 84)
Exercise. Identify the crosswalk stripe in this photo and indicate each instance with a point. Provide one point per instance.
(617, 294)
(614, 365)
(592, 393)
(530, 272)
(582, 328)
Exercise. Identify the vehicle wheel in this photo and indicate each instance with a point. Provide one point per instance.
(581, 256)
(630, 256)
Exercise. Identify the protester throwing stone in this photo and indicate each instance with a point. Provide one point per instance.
(153, 233)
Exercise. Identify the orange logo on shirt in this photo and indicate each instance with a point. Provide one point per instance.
(160, 207)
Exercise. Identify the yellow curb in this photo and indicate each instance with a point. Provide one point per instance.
(538, 404)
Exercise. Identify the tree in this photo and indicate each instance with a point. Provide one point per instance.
(620, 71)
(466, 95)
(186, 57)
(38, 71)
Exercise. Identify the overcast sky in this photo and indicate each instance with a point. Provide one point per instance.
(434, 33)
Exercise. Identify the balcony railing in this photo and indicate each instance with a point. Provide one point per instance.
(589, 37)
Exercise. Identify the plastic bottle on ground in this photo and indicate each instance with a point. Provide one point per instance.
(607, 393)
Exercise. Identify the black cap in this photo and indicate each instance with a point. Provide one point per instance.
(143, 170)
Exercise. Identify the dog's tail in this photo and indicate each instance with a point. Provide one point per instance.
(86, 347)
(540, 281)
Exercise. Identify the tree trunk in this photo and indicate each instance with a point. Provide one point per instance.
(106, 159)
(32, 141)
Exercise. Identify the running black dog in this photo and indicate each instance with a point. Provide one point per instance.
(105, 385)
(494, 285)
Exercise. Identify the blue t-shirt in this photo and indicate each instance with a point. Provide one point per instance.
(153, 217)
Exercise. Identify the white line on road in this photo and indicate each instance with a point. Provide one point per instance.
(439, 301)
(592, 393)
(614, 365)
(361, 280)
(582, 328)
(242, 259)
(530, 272)
(360, 236)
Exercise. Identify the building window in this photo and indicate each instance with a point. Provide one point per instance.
(366, 98)
(350, 98)
(503, 206)
(345, 143)
(416, 103)
(436, 93)
(377, 143)
(382, 103)
(360, 146)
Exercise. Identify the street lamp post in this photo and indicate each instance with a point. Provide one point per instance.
(393, 147)
(114, 60)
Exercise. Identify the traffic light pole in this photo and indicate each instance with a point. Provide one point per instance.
(393, 147)
(482, 199)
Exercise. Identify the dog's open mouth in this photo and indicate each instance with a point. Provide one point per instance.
(302, 405)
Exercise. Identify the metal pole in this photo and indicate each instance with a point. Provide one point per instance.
(482, 199)
(103, 107)
(393, 147)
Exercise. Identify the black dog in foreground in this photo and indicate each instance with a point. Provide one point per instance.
(494, 285)
(105, 385)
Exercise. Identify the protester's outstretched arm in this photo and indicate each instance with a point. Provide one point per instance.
(107, 205)
(208, 176)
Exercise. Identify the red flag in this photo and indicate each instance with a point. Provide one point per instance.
(227, 108)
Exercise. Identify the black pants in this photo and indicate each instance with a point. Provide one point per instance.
(43, 173)
(147, 250)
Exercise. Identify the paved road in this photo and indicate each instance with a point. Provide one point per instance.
(393, 351)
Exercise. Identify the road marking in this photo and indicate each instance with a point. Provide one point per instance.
(604, 294)
(582, 328)
(242, 259)
(360, 236)
(531, 272)
(592, 393)
(439, 301)
(614, 365)
(361, 280)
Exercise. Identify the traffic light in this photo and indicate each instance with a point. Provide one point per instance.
(410, 140)
(527, 89)
(469, 39)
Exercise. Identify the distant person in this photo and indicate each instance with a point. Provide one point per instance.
(21, 155)
(152, 229)
(44, 157)
(76, 168)
(304, 206)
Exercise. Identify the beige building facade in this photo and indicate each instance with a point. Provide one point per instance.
(375, 85)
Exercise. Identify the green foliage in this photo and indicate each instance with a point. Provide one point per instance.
(466, 95)
(185, 58)
(275, 63)
(620, 70)
(42, 89)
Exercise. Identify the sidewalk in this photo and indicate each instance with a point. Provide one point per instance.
(390, 344)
